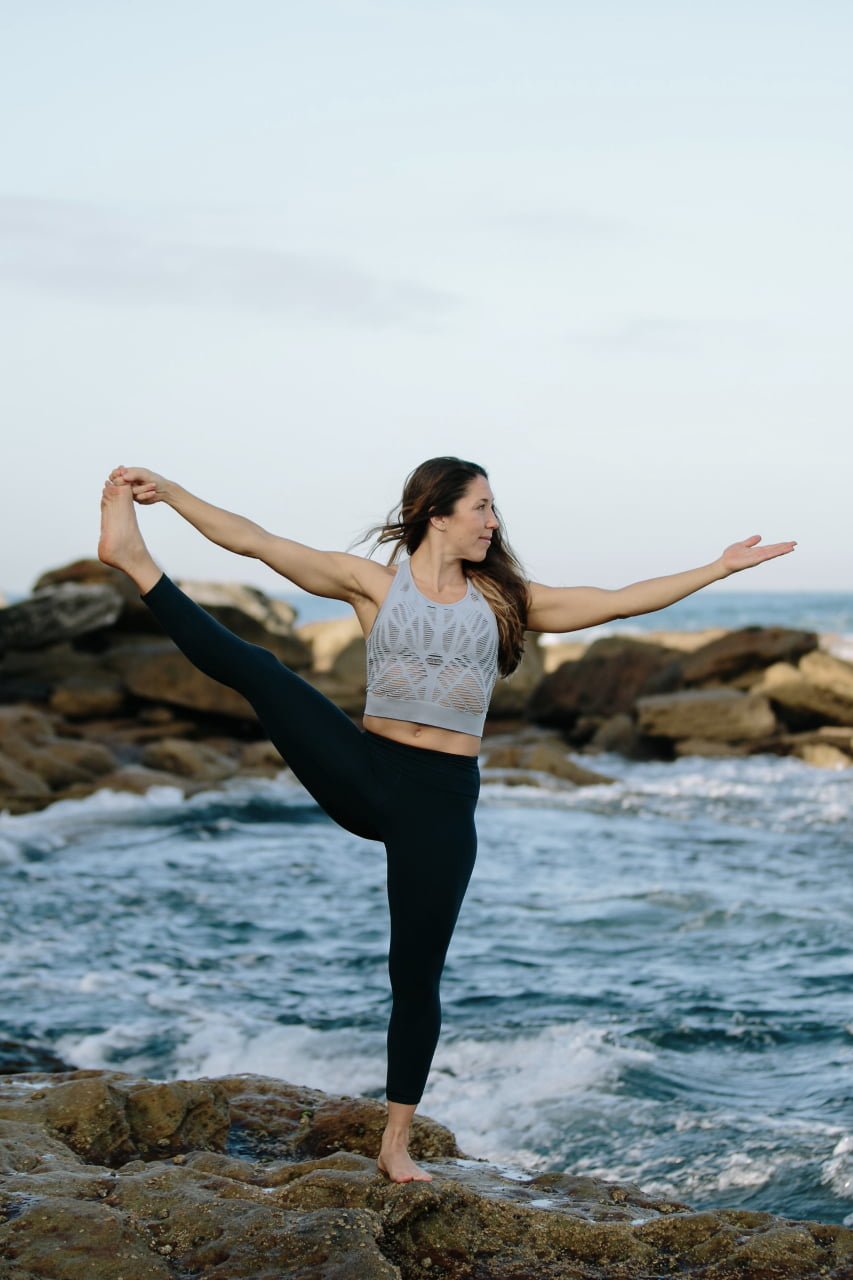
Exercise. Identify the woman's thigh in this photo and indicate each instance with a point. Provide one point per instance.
(430, 837)
(325, 749)
(322, 746)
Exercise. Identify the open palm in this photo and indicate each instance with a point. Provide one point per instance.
(743, 555)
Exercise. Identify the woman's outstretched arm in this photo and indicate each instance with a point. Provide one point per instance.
(558, 609)
(334, 574)
(226, 529)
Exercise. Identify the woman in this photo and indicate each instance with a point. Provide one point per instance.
(440, 627)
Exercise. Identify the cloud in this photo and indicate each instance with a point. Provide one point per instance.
(99, 254)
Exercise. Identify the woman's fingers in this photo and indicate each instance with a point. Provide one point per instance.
(144, 493)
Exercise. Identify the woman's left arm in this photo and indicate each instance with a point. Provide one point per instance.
(557, 609)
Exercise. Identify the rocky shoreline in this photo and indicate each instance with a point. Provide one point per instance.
(93, 695)
(110, 1176)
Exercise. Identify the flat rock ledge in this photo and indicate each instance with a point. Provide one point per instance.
(108, 1176)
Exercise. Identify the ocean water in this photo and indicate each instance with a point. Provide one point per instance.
(650, 981)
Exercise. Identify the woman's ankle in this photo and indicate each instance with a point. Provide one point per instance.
(394, 1135)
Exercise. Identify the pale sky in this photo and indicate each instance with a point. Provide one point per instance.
(285, 252)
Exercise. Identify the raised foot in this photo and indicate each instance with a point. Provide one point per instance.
(400, 1167)
(120, 543)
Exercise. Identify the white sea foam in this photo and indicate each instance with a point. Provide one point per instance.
(764, 792)
(100, 980)
(500, 1097)
(336, 1061)
(57, 826)
(837, 1172)
(740, 1169)
(112, 1049)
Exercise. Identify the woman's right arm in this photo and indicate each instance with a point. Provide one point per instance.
(334, 574)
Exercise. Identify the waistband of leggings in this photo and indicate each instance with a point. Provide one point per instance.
(449, 759)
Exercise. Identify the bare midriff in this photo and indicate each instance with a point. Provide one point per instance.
(423, 735)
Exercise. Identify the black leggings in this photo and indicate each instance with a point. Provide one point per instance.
(419, 803)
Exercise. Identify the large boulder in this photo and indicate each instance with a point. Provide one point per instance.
(252, 615)
(58, 613)
(327, 638)
(718, 715)
(158, 672)
(818, 691)
(744, 652)
(134, 616)
(188, 759)
(512, 693)
(32, 675)
(36, 761)
(85, 696)
(556, 652)
(545, 756)
(606, 680)
(339, 669)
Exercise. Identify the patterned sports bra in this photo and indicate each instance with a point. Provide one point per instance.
(432, 663)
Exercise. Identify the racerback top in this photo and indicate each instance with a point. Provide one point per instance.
(432, 663)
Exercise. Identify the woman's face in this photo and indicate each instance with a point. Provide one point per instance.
(473, 520)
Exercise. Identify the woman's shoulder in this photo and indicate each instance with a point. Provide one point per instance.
(373, 579)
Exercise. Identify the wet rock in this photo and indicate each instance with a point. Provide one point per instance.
(348, 694)
(339, 661)
(512, 693)
(57, 613)
(110, 1117)
(271, 1117)
(835, 735)
(92, 572)
(823, 755)
(260, 758)
(20, 786)
(254, 616)
(328, 638)
(188, 759)
(136, 779)
(747, 650)
(32, 675)
(60, 763)
(619, 733)
(710, 747)
(181, 1205)
(818, 691)
(28, 741)
(28, 1055)
(157, 672)
(606, 680)
(555, 653)
(710, 714)
(543, 757)
(83, 697)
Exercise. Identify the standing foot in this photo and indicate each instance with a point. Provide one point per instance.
(121, 543)
(396, 1163)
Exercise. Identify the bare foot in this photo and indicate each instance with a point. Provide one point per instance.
(398, 1165)
(121, 543)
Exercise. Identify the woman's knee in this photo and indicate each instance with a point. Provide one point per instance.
(413, 981)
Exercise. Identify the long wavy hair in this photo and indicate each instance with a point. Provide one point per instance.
(433, 489)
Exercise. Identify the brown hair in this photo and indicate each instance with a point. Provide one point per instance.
(433, 489)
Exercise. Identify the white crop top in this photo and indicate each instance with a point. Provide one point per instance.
(432, 663)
